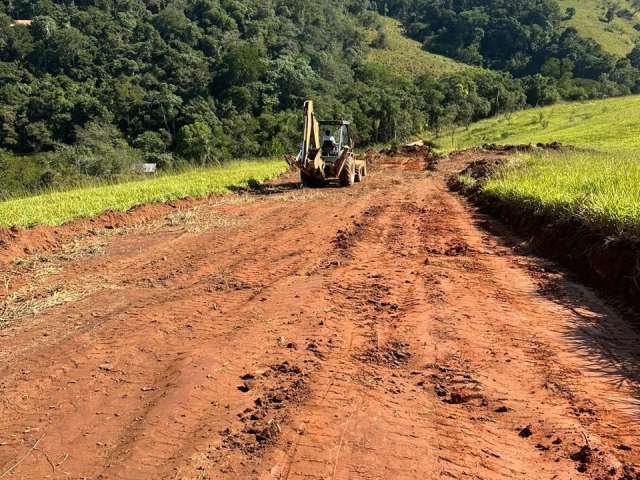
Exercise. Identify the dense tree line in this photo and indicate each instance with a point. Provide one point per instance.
(90, 88)
(523, 37)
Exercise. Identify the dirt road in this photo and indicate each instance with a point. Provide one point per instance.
(386, 331)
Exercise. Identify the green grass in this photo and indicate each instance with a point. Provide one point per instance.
(405, 57)
(598, 184)
(617, 37)
(612, 124)
(600, 189)
(56, 208)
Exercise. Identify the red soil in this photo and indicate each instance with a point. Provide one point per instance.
(377, 332)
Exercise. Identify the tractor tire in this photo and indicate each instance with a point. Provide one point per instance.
(348, 174)
(359, 175)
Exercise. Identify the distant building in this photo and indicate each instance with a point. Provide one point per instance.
(149, 168)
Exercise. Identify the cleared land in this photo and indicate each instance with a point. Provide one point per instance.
(617, 37)
(405, 57)
(372, 332)
(612, 124)
(56, 208)
(597, 184)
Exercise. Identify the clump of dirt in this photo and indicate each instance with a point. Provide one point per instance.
(345, 240)
(453, 248)
(493, 147)
(394, 354)
(525, 432)
(262, 422)
(483, 169)
(457, 248)
(583, 457)
(223, 282)
(456, 386)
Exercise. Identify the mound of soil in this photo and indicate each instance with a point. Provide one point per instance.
(493, 147)
(482, 169)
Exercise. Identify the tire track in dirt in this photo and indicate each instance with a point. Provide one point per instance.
(375, 332)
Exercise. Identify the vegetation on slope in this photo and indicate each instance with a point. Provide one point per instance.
(597, 184)
(600, 189)
(90, 89)
(404, 56)
(56, 208)
(614, 31)
(526, 38)
(607, 125)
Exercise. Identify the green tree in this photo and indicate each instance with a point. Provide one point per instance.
(195, 142)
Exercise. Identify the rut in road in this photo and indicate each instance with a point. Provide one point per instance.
(377, 332)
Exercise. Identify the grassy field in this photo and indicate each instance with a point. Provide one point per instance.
(600, 189)
(612, 124)
(56, 208)
(599, 183)
(405, 56)
(617, 37)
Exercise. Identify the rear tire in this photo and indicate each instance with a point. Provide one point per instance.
(348, 174)
(359, 175)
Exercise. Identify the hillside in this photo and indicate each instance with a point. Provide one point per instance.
(406, 57)
(91, 90)
(612, 124)
(617, 37)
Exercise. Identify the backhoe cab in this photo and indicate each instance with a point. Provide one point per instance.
(327, 152)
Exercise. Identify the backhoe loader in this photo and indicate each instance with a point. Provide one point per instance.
(330, 157)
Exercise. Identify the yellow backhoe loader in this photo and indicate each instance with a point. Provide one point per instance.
(330, 156)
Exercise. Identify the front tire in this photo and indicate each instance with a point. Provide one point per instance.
(348, 174)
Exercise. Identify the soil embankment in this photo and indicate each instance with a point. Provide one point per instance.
(380, 331)
(610, 263)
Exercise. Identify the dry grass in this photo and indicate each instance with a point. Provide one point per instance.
(31, 300)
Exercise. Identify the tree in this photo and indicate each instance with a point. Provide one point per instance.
(634, 56)
(196, 142)
(43, 28)
(541, 90)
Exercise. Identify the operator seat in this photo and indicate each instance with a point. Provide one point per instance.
(329, 148)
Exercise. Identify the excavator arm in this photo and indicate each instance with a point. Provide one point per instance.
(311, 147)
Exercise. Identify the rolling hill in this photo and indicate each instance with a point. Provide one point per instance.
(617, 37)
(406, 57)
(611, 124)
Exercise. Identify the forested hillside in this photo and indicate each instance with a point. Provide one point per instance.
(524, 37)
(90, 88)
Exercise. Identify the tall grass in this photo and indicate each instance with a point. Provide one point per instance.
(600, 189)
(56, 208)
